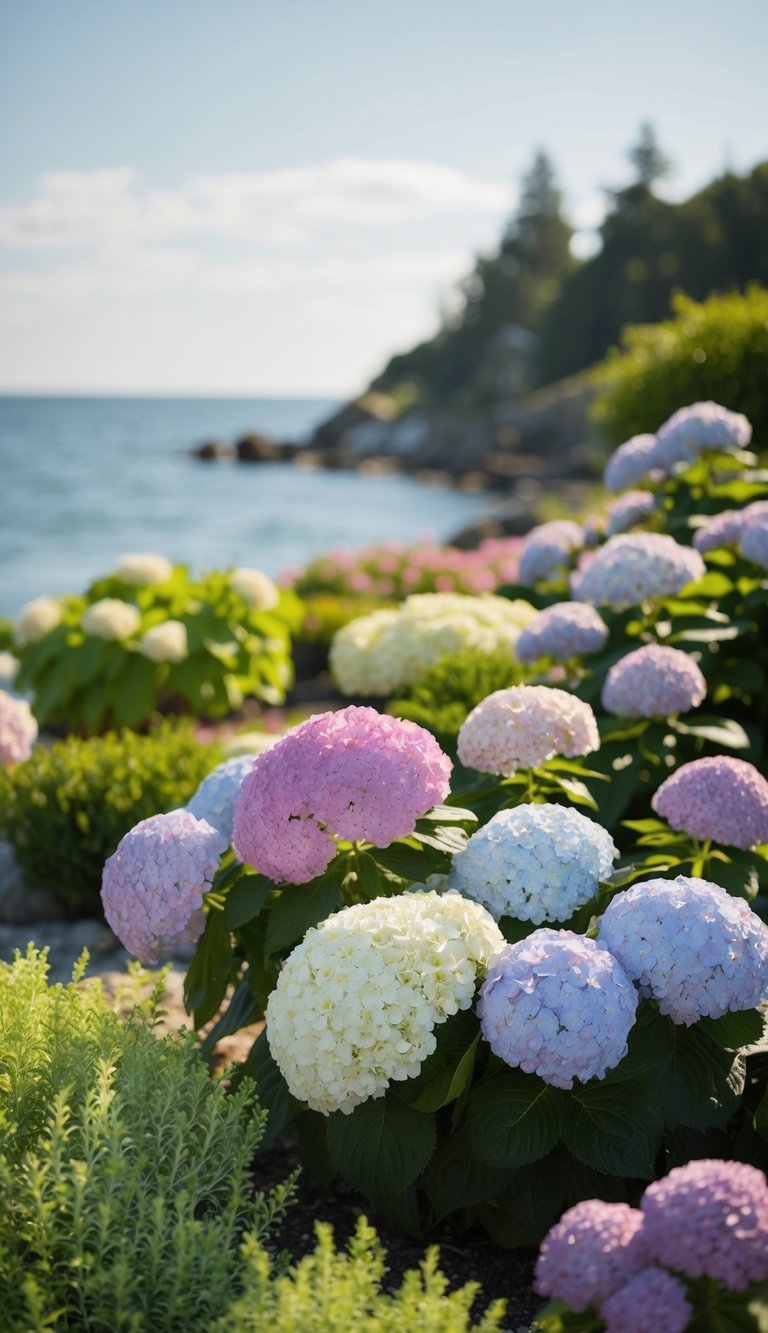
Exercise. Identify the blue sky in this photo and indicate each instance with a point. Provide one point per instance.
(256, 197)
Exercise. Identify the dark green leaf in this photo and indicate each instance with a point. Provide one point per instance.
(242, 1009)
(367, 874)
(450, 1083)
(299, 906)
(246, 898)
(735, 1030)
(614, 1126)
(412, 863)
(206, 981)
(382, 1146)
(271, 1089)
(514, 1118)
(457, 1178)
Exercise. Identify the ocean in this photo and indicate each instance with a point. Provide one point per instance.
(86, 480)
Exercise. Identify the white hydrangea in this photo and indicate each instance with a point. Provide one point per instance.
(111, 619)
(166, 642)
(357, 1002)
(37, 619)
(9, 670)
(256, 589)
(143, 569)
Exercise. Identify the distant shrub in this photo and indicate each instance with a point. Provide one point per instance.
(714, 349)
(444, 695)
(66, 808)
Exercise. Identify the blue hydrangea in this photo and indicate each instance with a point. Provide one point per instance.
(536, 862)
(215, 798)
(557, 1005)
(689, 945)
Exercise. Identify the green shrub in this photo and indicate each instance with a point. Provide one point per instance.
(716, 349)
(66, 808)
(124, 1167)
(441, 699)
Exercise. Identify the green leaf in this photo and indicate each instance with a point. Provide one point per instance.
(135, 697)
(412, 863)
(206, 981)
(242, 1010)
(450, 840)
(723, 731)
(270, 1088)
(246, 898)
(457, 1178)
(381, 1147)
(299, 906)
(367, 874)
(614, 1126)
(314, 1153)
(712, 584)
(761, 1117)
(450, 1084)
(449, 814)
(514, 1118)
(699, 1082)
(733, 1031)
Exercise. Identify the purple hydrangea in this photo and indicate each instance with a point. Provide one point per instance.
(355, 774)
(631, 462)
(567, 629)
(153, 885)
(593, 1249)
(653, 1301)
(547, 549)
(709, 1218)
(719, 797)
(689, 945)
(754, 540)
(701, 426)
(215, 798)
(524, 726)
(632, 569)
(558, 1005)
(18, 729)
(628, 510)
(653, 681)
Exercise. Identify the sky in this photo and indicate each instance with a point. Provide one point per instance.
(252, 197)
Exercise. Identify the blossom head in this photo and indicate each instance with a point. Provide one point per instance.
(153, 885)
(37, 619)
(523, 726)
(214, 800)
(534, 862)
(689, 945)
(754, 541)
(631, 463)
(653, 1301)
(628, 510)
(257, 590)
(593, 1249)
(166, 642)
(719, 797)
(547, 549)
(9, 670)
(710, 1219)
(692, 430)
(562, 631)
(653, 681)
(18, 729)
(356, 1004)
(142, 570)
(111, 619)
(355, 774)
(558, 1005)
(632, 569)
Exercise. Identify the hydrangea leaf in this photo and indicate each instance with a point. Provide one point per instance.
(245, 899)
(270, 1087)
(299, 906)
(514, 1118)
(457, 1178)
(614, 1125)
(382, 1146)
(206, 981)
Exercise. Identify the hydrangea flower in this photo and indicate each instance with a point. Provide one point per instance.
(562, 631)
(362, 657)
(166, 642)
(630, 463)
(534, 862)
(628, 510)
(143, 569)
(111, 618)
(214, 800)
(256, 589)
(701, 426)
(689, 945)
(355, 774)
(653, 1301)
(9, 670)
(523, 726)
(636, 568)
(593, 1249)
(18, 729)
(547, 549)
(356, 1004)
(653, 681)
(558, 1005)
(710, 1218)
(754, 541)
(719, 797)
(153, 885)
(37, 619)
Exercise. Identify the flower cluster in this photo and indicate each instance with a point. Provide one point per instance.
(214, 800)
(729, 526)
(653, 681)
(628, 510)
(257, 590)
(653, 1301)
(166, 642)
(144, 570)
(357, 1002)
(631, 463)
(534, 862)
(691, 431)
(547, 550)
(9, 670)
(754, 541)
(719, 797)
(37, 619)
(592, 1250)
(18, 729)
(523, 727)
(111, 618)
(354, 774)
(153, 885)
(390, 571)
(558, 1005)
(633, 569)
(689, 945)
(562, 631)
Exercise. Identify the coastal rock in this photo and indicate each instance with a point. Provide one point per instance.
(211, 451)
(256, 448)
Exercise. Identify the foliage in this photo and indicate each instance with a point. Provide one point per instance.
(124, 1167)
(714, 350)
(65, 809)
(443, 696)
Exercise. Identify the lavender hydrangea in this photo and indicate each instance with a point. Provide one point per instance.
(153, 885)
(754, 541)
(18, 729)
(653, 1301)
(692, 430)
(729, 526)
(594, 1249)
(630, 463)
(215, 798)
(523, 726)
(562, 631)
(689, 945)
(653, 681)
(628, 510)
(632, 569)
(719, 797)
(558, 1005)
(535, 862)
(547, 549)
(709, 1218)
(355, 774)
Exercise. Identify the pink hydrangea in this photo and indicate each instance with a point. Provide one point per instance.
(547, 549)
(628, 510)
(653, 681)
(525, 725)
(567, 629)
(153, 885)
(720, 797)
(653, 1301)
(709, 1218)
(18, 729)
(701, 426)
(353, 774)
(593, 1249)
(630, 463)
(754, 541)
(636, 568)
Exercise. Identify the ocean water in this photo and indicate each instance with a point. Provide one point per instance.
(85, 480)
